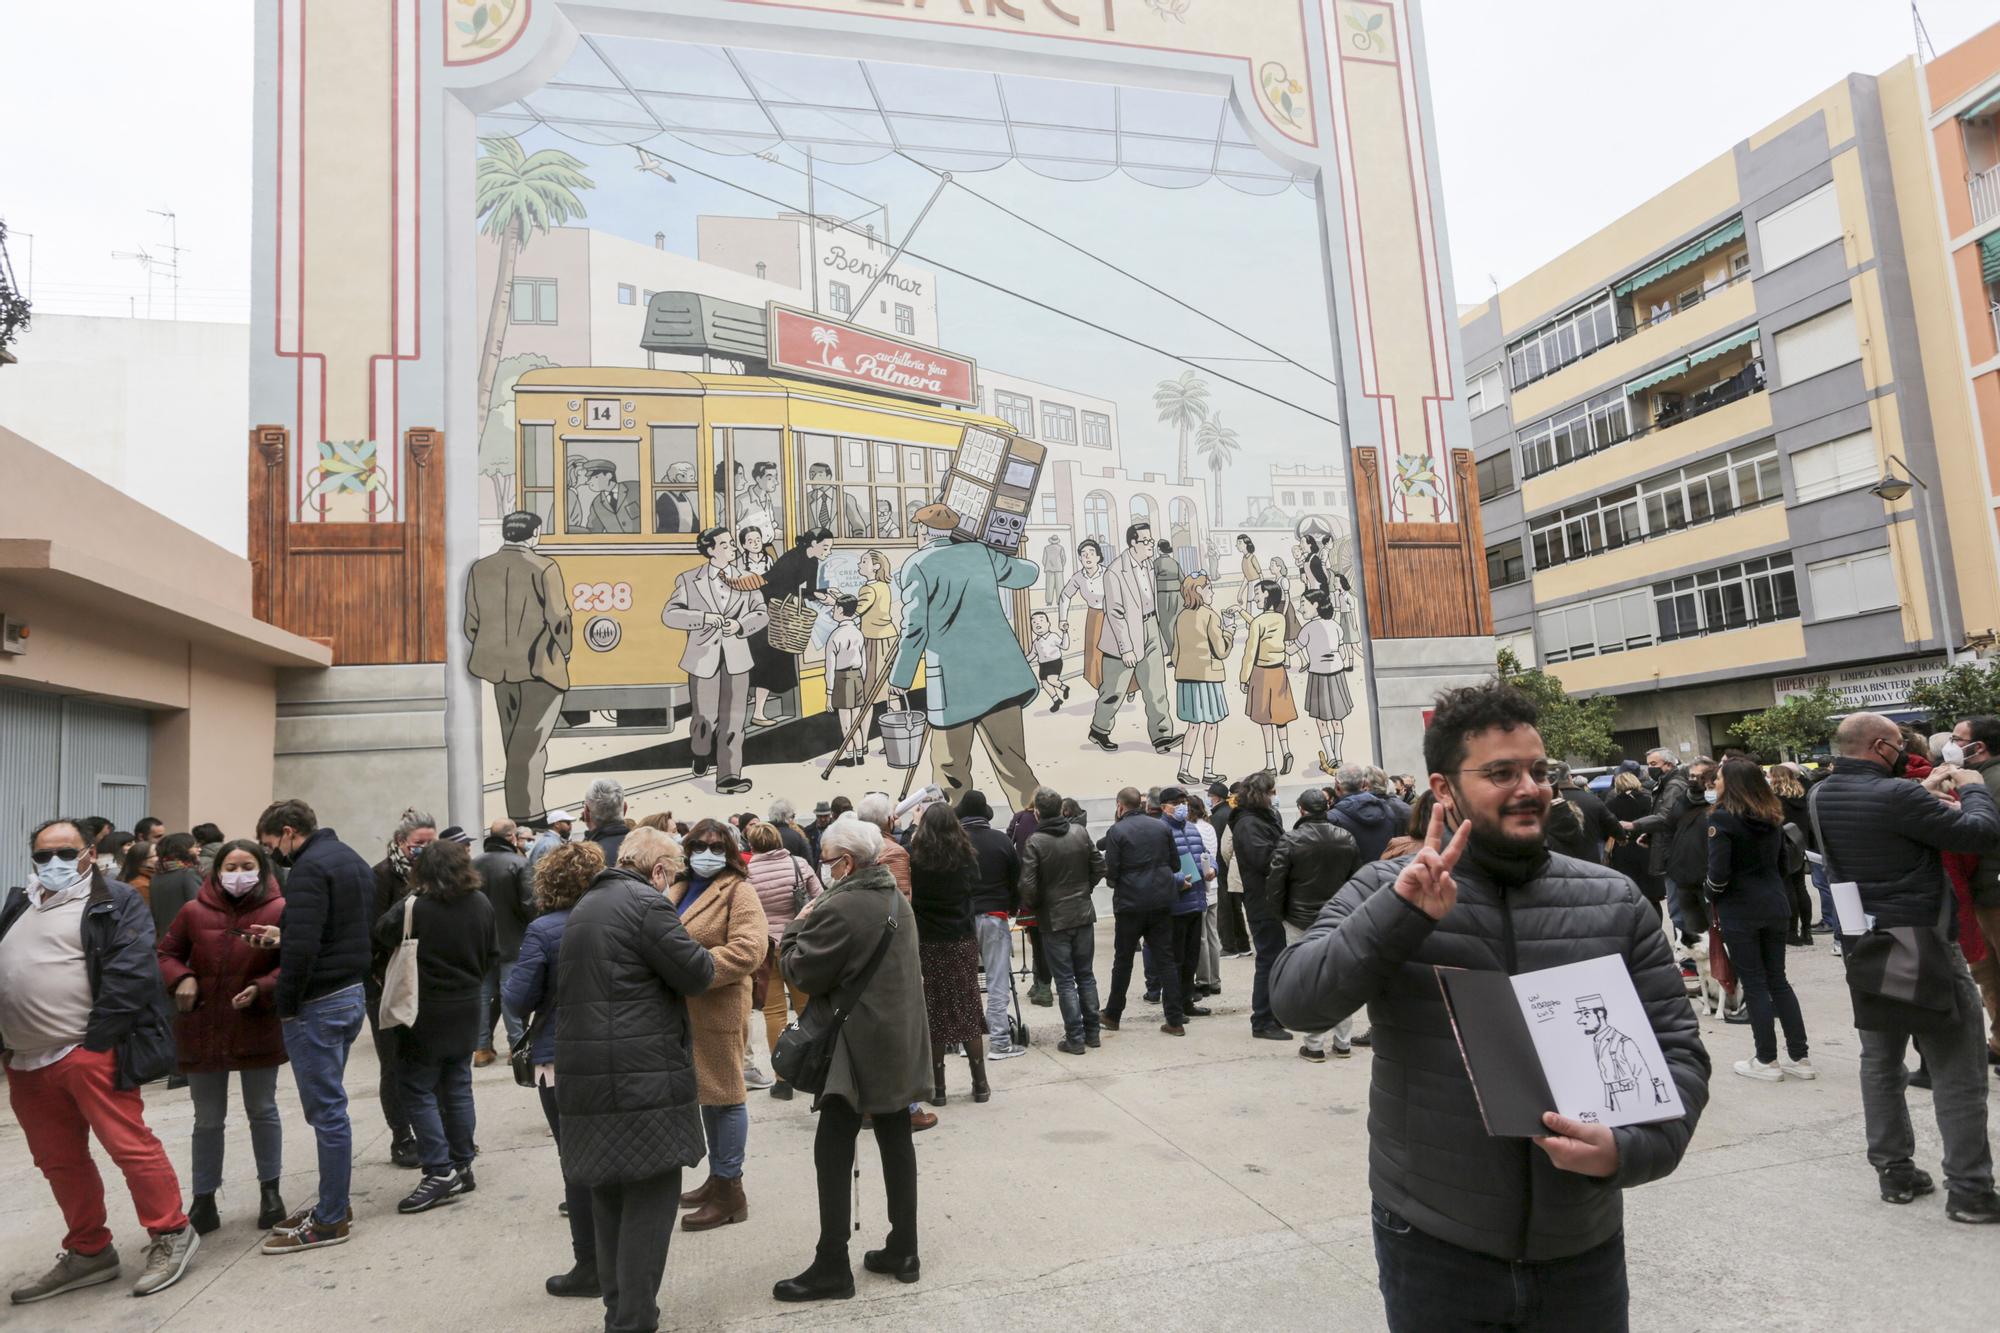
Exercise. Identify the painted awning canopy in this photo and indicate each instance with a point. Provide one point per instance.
(631, 90)
(1681, 258)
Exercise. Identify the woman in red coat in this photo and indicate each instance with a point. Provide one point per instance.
(222, 987)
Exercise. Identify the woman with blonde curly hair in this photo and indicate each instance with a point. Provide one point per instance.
(529, 996)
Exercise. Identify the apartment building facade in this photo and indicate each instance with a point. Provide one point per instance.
(1682, 426)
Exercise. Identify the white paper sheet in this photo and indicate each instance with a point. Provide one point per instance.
(1597, 1048)
(1847, 906)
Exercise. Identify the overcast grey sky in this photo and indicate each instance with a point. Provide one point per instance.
(1554, 117)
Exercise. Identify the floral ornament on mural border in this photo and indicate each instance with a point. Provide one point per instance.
(1171, 9)
(1366, 34)
(348, 467)
(1285, 95)
(488, 28)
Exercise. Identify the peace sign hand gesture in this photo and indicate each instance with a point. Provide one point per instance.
(1426, 881)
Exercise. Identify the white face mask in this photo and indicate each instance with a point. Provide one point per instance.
(59, 874)
(1711, 796)
(1954, 753)
(826, 875)
(108, 864)
(237, 883)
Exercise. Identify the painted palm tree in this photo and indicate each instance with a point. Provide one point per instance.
(827, 339)
(1182, 404)
(1217, 444)
(518, 194)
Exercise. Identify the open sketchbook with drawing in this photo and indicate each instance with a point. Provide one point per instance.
(1572, 1039)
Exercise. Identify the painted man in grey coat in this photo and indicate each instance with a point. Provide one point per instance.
(517, 616)
(719, 620)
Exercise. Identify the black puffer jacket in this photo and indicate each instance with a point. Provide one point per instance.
(1059, 867)
(1885, 833)
(1255, 830)
(1142, 865)
(624, 1059)
(329, 901)
(1308, 868)
(1429, 1156)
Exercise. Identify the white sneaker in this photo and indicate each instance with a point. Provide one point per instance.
(1802, 1068)
(753, 1077)
(1006, 1052)
(1763, 1073)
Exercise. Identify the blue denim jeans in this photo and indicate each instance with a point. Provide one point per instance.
(317, 1041)
(1069, 952)
(437, 1095)
(490, 1009)
(996, 957)
(728, 1131)
(1429, 1284)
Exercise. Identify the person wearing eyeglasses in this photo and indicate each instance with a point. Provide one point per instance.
(1474, 1230)
(84, 1021)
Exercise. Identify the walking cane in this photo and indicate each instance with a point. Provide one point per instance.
(860, 717)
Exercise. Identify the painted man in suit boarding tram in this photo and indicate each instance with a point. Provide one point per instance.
(719, 619)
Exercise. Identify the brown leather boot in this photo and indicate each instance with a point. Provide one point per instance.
(725, 1205)
(695, 1198)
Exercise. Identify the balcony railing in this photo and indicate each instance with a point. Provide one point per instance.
(1741, 385)
(1985, 189)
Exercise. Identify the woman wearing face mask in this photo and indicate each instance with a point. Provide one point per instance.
(779, 878)
(221, 985)
(452, 922)
(1746, 884)
(718, 908)
(415, 831)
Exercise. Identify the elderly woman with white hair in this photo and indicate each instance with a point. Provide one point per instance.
(879, 1061)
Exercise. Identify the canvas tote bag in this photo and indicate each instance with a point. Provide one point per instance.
(399, 980)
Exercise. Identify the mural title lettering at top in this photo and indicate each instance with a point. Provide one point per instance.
(1027, 13)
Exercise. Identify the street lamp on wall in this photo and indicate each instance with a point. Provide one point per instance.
(1893, 488)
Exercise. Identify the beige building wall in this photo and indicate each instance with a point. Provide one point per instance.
(125, 606)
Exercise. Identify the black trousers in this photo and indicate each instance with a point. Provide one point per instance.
(390, 1088)
(1229, 922)
(833, 1163)
(1156, 929)
(582, 1224)
(1187, 951)
(1042, 974)
(635, 1223)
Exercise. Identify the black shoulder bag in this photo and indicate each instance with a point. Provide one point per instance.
(804, 1053)
(1899, 978)
(522, 1056)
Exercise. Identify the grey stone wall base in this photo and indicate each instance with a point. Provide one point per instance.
(360, 744)
(1409, 674)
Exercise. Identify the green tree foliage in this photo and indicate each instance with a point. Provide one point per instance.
(1576, 730)
(1966, 690)
(1796, 726)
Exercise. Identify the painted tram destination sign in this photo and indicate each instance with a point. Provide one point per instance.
(821, 348)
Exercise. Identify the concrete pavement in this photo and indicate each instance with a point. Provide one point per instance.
(1210, 1182)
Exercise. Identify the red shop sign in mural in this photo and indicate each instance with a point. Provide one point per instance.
(802, 343)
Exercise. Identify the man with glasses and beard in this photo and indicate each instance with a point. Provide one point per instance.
(1472, 1229)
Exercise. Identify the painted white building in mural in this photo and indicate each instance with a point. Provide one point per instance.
(834, 269)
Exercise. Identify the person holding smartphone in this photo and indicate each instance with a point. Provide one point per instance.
(221, 978)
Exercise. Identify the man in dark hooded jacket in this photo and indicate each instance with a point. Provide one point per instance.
(1369, 817)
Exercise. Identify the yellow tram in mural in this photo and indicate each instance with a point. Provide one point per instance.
(626, 466)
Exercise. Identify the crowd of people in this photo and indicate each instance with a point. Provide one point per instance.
(624, 959)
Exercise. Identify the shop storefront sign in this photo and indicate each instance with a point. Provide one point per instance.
(802, 343)
(1873, 688)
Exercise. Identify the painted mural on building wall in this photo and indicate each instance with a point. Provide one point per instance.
(845, 425)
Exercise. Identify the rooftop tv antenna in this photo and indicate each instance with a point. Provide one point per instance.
(174, 250)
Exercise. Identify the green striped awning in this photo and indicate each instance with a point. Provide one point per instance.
(1675, 367)
(1681, 258)
(1741, 338)
(1989, 256)
(1985, 106)
(1682, 364)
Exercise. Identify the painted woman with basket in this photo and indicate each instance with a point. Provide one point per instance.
(784, 885)
(855, 946)
(791, 586)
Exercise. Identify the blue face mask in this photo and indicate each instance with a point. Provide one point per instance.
(707, 864)
(58, 874)
(1711, 796)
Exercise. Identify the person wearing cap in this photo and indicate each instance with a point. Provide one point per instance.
(553, 835)
(976, 680)
(517, 617)
(822, 816)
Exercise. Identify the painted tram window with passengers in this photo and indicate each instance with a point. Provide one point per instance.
(626, 467)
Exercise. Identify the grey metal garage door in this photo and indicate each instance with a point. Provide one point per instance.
(60, 755)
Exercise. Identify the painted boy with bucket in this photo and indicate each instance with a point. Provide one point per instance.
(975, 680)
